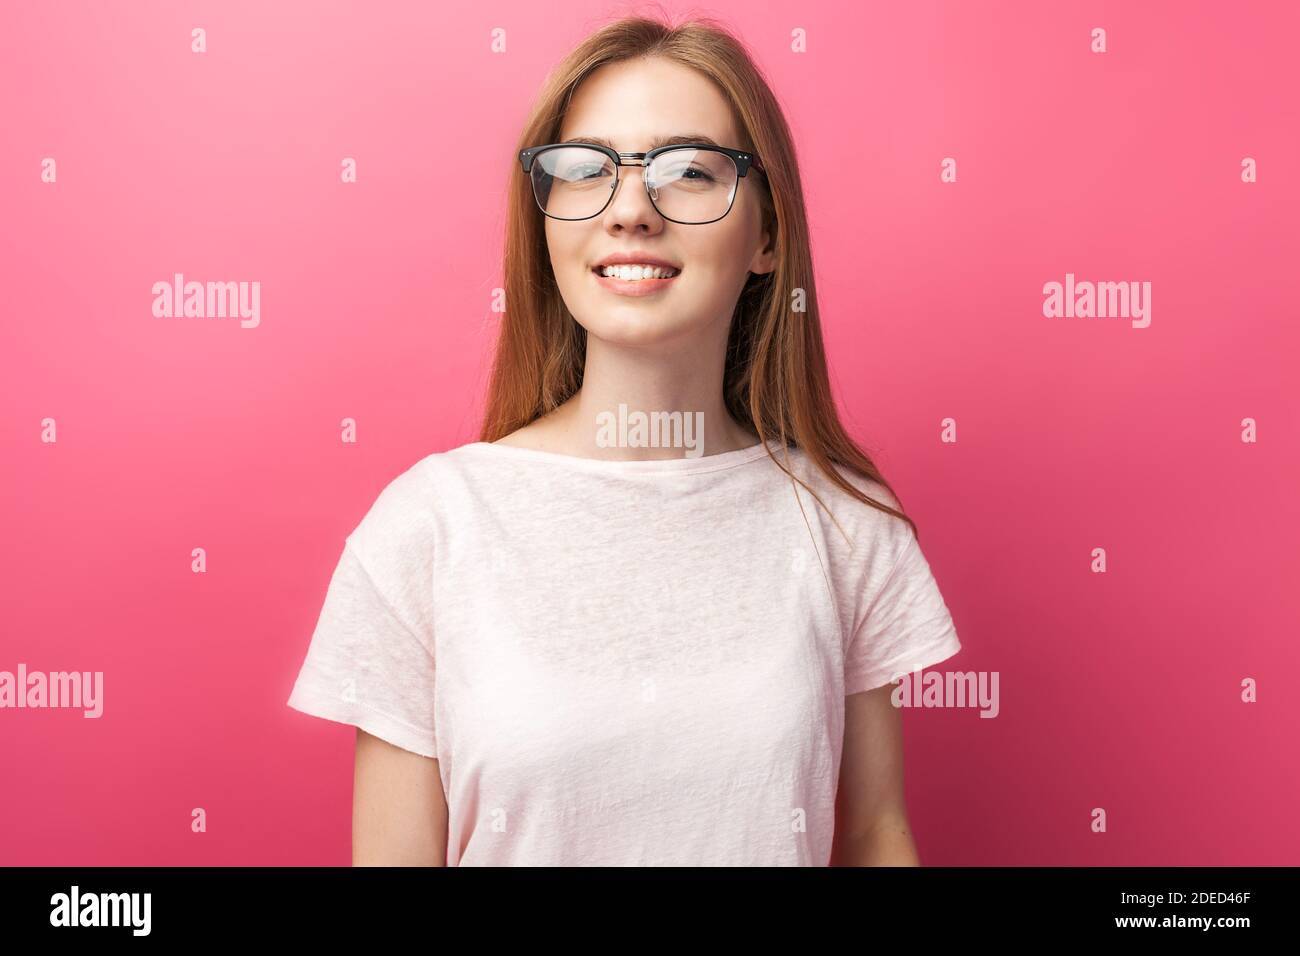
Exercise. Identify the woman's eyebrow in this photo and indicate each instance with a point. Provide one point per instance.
(661, 141)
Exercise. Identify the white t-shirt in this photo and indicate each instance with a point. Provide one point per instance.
(622, 662)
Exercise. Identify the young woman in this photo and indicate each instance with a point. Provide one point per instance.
(583, 640)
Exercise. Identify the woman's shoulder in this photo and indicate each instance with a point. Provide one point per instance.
(824, 484)
(859, 520)
(405, 513)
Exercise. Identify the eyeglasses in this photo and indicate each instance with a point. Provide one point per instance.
(691, 184)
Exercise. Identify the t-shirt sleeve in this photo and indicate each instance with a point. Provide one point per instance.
(906, 627)
(366, 666)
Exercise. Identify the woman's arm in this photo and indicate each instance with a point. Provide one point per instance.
(871, 827)
(399, 812)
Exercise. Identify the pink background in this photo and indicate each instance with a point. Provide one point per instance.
(1118, 690)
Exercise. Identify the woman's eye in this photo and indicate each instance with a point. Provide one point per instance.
(700, 175)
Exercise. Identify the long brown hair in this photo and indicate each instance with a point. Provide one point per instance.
(775, 381)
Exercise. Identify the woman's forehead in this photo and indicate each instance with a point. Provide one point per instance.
(645, 144)
(636, 104)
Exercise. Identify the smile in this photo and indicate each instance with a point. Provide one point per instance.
(635, 279)
(634, 271)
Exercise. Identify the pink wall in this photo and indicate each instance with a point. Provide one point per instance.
(1119, 690)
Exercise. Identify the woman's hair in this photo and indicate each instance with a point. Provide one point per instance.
(775, 381)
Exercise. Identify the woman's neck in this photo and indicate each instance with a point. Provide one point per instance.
(634, 408)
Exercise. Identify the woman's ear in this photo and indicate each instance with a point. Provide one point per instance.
(764, 260)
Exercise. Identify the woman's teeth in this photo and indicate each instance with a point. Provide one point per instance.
(637, 272)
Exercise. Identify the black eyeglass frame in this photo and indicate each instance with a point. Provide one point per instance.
(742, 159)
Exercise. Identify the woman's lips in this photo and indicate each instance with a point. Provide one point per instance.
(634, 287)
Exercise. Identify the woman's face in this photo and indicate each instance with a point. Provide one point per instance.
(630, 104)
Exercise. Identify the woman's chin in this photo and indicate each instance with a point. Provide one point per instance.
(636, 330)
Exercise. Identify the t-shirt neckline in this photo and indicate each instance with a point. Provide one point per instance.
(677, 466)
